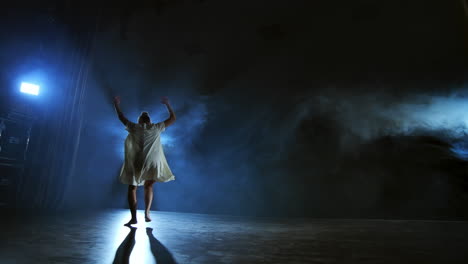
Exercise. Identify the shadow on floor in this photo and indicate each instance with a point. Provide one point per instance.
(160, 252)
(125, 249)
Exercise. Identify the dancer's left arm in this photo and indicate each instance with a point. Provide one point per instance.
(122, 118)
(172, 118)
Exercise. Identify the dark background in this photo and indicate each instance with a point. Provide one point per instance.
(285, 108)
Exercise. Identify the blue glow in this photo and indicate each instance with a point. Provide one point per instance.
(167, 139)
(460, 150)
(29, 88)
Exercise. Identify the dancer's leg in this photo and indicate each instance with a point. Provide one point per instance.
(132, 203)
(148, 199)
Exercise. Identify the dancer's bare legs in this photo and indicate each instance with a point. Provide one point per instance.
(148, 199)
(132, 203)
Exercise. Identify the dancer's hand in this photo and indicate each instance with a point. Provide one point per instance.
(117, 100)
(165, 100)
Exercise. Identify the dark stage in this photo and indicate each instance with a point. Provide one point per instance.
(258, 131)
(197, 238)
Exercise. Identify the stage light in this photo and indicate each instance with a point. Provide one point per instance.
(29, 88)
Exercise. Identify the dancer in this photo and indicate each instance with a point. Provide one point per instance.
(145, 162)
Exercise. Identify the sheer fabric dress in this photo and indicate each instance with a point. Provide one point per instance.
(144, 155)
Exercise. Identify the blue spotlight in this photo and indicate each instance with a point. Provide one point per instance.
(29, 88)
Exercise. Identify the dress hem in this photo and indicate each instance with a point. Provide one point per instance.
(172, 178)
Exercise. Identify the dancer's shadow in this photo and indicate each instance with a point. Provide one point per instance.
(125, 249)
(160, 252)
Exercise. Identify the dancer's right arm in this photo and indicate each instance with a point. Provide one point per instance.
(122, 118)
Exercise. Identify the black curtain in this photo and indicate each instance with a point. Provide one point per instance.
(66, 34)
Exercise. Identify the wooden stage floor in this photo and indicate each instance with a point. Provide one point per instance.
(195, 238)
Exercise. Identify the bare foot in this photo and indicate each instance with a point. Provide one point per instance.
(131, 222)
(147, 218)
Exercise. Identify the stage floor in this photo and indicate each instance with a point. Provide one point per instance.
(195, 238)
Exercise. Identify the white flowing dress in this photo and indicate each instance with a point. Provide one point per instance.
(144, 155)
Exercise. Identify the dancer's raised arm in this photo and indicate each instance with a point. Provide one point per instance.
(122, 118)
(172, 117)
